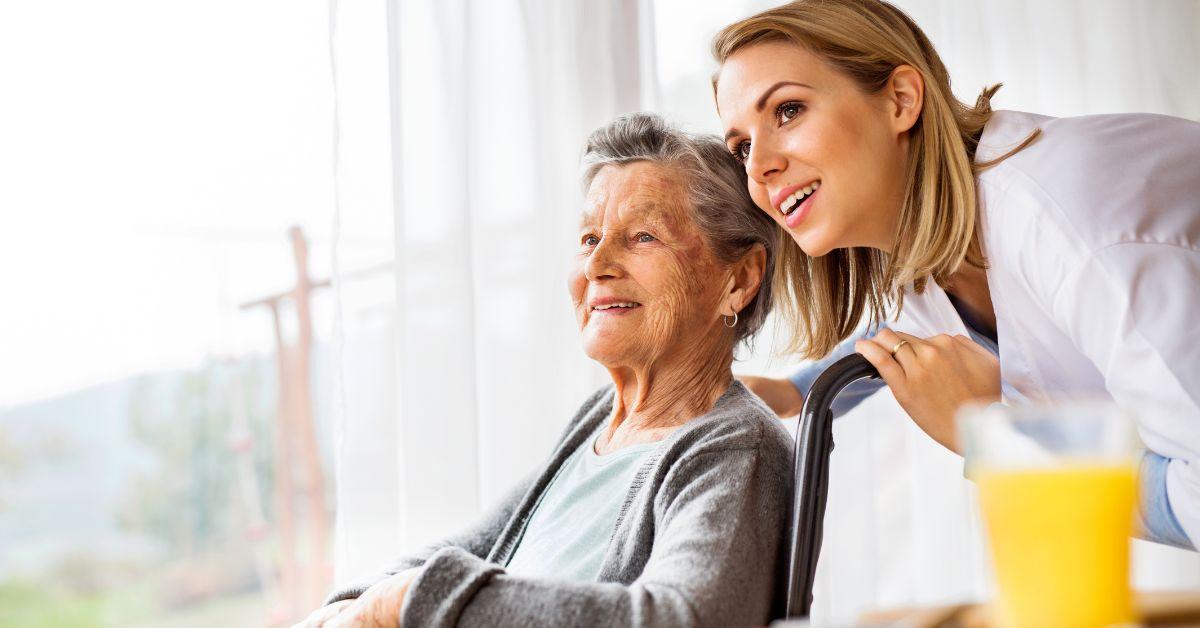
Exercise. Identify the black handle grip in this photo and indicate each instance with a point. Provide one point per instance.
(814, 443)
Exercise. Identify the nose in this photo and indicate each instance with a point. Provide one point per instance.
(604, 262)
(764, 161)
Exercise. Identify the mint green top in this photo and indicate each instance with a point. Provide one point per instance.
(572, 525)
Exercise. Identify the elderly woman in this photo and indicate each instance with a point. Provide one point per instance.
(663, 502)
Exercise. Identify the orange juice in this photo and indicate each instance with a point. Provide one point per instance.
(1060, 543)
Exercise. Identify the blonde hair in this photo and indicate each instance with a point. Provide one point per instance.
(825, 298)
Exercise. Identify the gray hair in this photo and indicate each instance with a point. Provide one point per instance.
(721, 206)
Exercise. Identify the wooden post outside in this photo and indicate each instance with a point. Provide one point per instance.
(285, 512)
(304, 577)
(312, 486)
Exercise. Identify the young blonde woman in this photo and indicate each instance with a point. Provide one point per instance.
(1026, 257)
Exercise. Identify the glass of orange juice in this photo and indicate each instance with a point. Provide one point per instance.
(1057, 487)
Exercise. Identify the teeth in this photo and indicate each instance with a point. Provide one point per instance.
(793, 201)
(612, 305)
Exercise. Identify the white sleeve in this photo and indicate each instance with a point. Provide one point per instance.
(1134, 310)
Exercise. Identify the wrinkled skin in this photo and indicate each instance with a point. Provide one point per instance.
(378, 606)
(670, 356)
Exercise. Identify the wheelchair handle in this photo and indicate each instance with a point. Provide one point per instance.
(814, 444)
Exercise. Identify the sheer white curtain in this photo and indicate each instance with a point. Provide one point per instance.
(490, 104)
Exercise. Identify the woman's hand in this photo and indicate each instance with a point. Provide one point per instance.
(933, 378)
(779, 394)
(378, 606)
(319, 617)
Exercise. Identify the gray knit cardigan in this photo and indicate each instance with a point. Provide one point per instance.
(697, 543)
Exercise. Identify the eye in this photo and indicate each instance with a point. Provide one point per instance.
(644, 237)
(590, 240)
(741, 151)
(788, 111)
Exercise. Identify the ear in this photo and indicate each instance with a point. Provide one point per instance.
(905, 91)
(746, 280)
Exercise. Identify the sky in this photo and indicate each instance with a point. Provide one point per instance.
(153, 156)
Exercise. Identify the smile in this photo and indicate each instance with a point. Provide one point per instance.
(793, 200)
(610, 306)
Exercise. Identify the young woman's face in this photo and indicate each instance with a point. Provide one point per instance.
(823, 159)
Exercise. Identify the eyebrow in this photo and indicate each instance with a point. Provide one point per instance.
(652, 213)
(587, 219)
(762, 101)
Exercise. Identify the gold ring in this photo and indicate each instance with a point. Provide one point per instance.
(897, 347)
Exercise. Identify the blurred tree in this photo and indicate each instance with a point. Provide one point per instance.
(187, 498)
(12, 461)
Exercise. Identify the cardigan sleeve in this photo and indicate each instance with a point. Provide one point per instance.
(476, 540)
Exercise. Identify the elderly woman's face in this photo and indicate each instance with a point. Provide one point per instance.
(644, 283)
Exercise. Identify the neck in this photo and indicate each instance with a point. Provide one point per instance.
(969, 286)
(671, 389)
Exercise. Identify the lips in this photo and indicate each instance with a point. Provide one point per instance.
(628, 305)
(799, 211)
(779, 196)
(795, 196)
(612, 304)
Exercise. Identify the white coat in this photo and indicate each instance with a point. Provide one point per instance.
(1092, 235)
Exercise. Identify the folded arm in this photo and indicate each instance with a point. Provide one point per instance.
(712, 562)
(476, 540)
